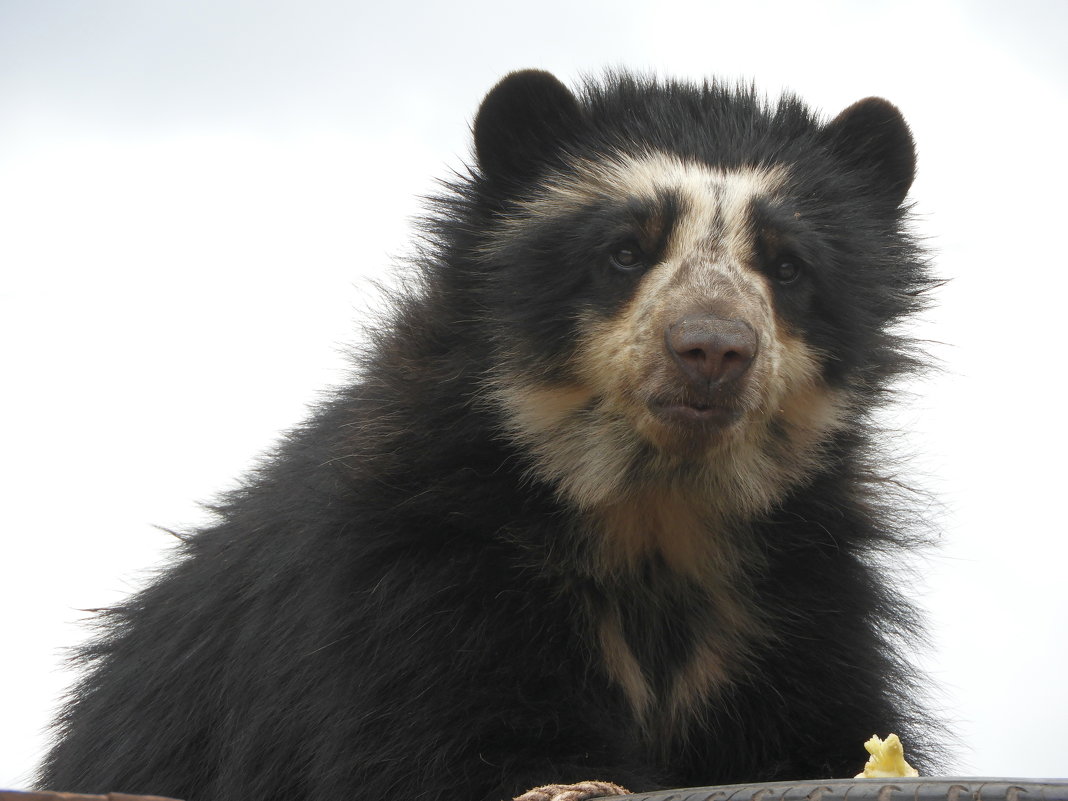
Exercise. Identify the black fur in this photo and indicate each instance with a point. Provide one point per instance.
(393, 607)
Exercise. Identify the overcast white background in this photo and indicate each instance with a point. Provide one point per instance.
(195, 197)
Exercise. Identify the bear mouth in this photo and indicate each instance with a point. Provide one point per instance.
(695, 413)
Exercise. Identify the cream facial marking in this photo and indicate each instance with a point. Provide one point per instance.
(716, 198)
(596, 435)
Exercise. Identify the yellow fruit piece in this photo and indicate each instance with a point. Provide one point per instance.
(887, 760)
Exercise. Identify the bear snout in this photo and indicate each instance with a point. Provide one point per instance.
(711, 353)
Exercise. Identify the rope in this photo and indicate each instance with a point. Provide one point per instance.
(572, 792)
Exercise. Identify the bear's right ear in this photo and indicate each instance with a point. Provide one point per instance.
(523, 120)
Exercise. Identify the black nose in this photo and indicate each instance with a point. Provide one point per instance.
(710, 350)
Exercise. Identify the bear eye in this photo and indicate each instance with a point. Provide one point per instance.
(627, 258)
(786, 270)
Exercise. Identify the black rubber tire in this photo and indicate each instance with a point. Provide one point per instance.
(936, 788)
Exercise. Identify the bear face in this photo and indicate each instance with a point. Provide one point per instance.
(681, 360)
(688, 315)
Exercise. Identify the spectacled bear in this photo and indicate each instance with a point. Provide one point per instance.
(603, 503)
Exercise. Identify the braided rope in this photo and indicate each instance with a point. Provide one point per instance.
(572, 792)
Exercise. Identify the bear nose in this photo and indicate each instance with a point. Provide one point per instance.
(711, 350)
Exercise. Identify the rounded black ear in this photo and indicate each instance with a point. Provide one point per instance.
(523, 120)
(873, 138)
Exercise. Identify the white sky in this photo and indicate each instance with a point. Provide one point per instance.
(196, 195)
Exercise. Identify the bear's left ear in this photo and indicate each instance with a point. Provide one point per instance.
(873, 138)
(523, 121)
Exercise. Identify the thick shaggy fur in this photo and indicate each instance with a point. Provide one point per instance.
(604, 502)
